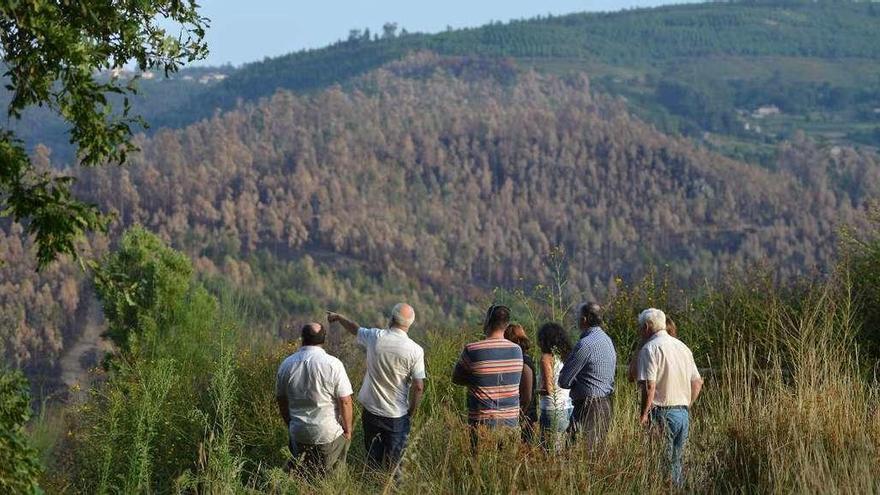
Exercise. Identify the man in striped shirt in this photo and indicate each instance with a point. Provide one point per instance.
(491, 370)
(589, 372)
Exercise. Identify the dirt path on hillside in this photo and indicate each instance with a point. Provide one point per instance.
(83, 354)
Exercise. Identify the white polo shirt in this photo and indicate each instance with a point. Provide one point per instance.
(393, 361)
(313, 381)
(668, 363)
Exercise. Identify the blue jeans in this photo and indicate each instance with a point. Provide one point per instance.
(554, 425)
(674, 423)
(384, 439)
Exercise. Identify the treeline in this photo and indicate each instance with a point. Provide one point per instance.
(652, 43)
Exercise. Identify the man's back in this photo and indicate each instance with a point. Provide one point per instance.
(494, 368)
(393, 361)
(312, 381)
(590, 369)
(669, 363)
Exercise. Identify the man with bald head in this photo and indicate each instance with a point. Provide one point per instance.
(393, 385)
(314, 399)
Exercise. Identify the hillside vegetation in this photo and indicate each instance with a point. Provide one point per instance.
(688, 69)
(187, 404)
(348, 194)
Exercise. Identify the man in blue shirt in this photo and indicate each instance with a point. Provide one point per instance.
(589, 373)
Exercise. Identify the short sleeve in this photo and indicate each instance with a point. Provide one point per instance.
(647, 365)
(281, 381)
(366, 336)
(343, 385)
(695, 372)
(418, 369)
(464, 361)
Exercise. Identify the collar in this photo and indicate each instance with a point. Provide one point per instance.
(398, 331)
(312, 348)
(589, 331)
(661, 333)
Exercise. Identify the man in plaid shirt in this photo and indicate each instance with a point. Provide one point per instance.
(589, 373)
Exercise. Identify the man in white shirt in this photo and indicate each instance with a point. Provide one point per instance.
(670, 383)
(393, 385)
(314, 399)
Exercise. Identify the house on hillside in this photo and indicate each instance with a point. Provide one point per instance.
(766, 111)
(212, 77)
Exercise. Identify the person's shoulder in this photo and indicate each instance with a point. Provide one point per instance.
(414, 347)
(491, 344)
(333, 361)
(680, 345)
(370, 332)
(289, 359)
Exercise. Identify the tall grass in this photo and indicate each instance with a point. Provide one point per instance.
(787, 408)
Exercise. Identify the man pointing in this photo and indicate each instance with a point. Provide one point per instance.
(393, 385)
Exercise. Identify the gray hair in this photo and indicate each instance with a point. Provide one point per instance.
(654, 318)
(398, 317)
(592, 312)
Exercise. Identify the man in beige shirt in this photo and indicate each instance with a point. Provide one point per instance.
(670, 383)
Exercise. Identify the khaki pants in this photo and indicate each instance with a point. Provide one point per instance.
(318, 460)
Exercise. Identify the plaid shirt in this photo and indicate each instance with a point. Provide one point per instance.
(590, 368)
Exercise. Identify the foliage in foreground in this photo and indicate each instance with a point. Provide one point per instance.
(51, 53)
(787, 408)
(19, 464)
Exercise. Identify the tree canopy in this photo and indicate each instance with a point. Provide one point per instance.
(54, 54)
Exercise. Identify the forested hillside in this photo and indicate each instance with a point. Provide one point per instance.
(437, 179)
(688, 69)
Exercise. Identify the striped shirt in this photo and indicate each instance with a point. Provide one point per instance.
(590, 368)
(494, 368)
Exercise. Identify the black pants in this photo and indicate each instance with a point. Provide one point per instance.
(384, 439)
(591, 420)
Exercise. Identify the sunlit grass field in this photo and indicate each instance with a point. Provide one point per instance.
(791, 412)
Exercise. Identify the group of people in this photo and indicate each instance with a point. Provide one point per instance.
(567, 397)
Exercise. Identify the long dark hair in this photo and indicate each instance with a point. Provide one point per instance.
(517, 334)
(552, 339)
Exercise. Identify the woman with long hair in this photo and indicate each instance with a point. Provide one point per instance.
(528, 408)
(556, 405)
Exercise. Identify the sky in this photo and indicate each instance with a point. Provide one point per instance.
(248, 30)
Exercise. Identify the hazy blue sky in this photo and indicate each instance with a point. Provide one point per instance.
(248, 30)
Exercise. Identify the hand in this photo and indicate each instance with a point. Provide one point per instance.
(347, 435)
(332, 317)
(644, 420)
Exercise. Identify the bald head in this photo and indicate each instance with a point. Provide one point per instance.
(313, 334)
(402, 316)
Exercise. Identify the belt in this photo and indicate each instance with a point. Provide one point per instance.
(671, 408)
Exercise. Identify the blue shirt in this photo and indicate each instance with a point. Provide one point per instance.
(590, 368)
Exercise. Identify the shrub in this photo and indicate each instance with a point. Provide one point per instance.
(19, 461)
(141, 286)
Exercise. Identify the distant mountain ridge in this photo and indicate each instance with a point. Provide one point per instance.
(722, 56)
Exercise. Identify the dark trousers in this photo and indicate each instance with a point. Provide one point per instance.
(318, 460)
(591, 420)
(384, 439)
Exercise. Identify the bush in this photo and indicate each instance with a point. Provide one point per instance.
(19, 461)
(141, 286)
